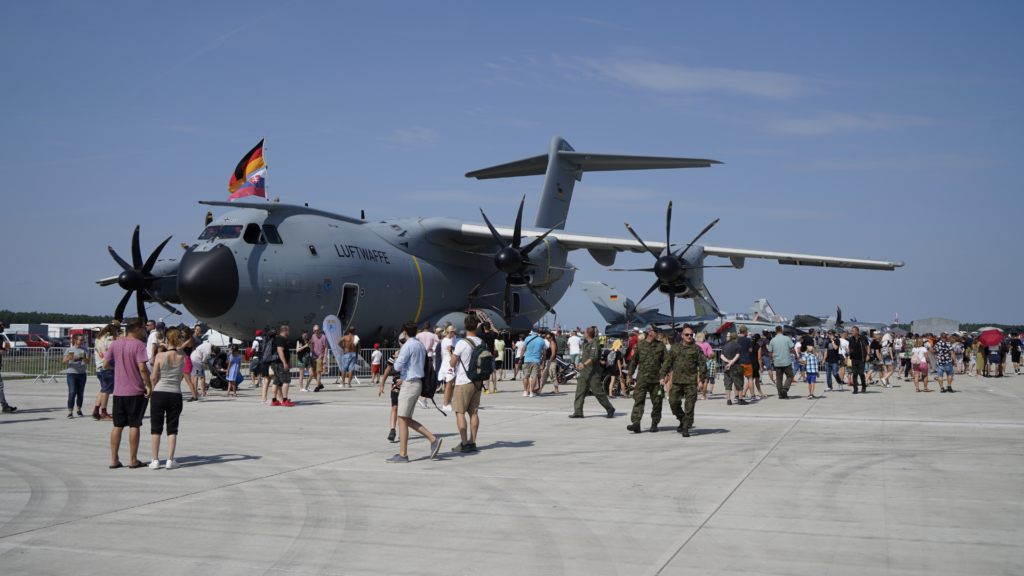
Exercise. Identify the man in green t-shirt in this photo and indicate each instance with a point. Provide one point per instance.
(560, 341)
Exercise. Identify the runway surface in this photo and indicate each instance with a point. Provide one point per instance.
(891, 482)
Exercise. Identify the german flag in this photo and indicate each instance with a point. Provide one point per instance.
(614, 297)
(249, 163)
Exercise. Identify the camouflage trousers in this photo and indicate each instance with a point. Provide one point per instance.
(643, 388)
(675, 401)
(593, 385)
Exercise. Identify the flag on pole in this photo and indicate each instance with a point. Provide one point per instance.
(249, 174)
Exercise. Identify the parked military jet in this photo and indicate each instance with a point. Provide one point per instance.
(266, 263)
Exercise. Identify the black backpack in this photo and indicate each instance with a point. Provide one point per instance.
(429, 382)
(269, 351)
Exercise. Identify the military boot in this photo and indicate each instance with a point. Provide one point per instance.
(635, 428)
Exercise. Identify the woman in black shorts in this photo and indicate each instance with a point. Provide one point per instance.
(165, 402)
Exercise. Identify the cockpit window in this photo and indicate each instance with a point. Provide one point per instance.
(252, 235)
(229, 232)
(210, 232)
(270, 232)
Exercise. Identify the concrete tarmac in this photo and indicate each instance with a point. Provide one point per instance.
(889, 482)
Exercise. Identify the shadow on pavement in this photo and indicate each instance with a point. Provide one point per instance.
(217, 459)
(707, 431)
(23, 420)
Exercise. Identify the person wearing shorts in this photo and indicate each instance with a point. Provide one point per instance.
(410, 363)
(732, 372)
(466, 399)
(132, 387)
(395, 390)
(319, 343)
(282, 370)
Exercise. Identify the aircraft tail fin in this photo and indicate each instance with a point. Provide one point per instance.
(703, 303)
(562, 167)
(609, 302)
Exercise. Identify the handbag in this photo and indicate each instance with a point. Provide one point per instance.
(849, 362)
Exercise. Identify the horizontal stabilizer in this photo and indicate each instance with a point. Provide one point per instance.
(580, 162)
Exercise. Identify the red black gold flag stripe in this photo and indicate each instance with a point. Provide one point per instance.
(247, 165)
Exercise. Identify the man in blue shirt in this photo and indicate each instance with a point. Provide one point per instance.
(782, 359)
(410, 363)
(532, 353)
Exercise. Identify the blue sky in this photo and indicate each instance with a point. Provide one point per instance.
(889, 130)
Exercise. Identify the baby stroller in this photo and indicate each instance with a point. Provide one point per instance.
(565, 371)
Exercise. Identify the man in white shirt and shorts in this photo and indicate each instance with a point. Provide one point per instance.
(466, 398)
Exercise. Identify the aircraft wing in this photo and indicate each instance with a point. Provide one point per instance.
(571, 240)
(737, 255)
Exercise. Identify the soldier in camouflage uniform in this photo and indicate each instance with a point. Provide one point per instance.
(648, 356)
(687, 364)
(590, 376)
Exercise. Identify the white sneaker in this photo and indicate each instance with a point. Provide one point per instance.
(532, 394)
(154, 465)
(423, 402)
(172, 465)
(447, 407)
(303, 389)
(526, 394)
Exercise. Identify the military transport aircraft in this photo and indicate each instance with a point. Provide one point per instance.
(265, 263)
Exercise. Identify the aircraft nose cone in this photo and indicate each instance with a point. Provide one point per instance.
(667, 268)
(208, 281)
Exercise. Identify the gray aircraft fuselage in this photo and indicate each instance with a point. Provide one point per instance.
(368, 273)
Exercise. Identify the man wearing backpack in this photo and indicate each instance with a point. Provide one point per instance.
(411, 364)
(472, 362)
(859, 350)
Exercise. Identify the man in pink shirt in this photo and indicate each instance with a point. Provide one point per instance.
(429, 341)
(319, 343)
(128, 358)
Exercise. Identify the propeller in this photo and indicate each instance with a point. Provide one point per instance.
(668, 267)
(137, 278)
(513, 260)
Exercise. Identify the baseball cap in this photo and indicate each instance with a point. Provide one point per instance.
(635, 329)
(161, 326)
(649, 328)
(376, 345)
(259, 332)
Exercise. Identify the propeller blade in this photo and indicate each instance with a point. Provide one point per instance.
(702, 232)
(136, 251)
(697, 292)
(507, 304)
(152, 257)
(539, 239)
(517, 234)
(163, 303)
(475, 292)
(672, 304)
(631, 269)
(668, 226)
(140, 305)
(119, 311)
(716, 266)
(536, 294)
(652, 289)
(107, 281)
(494, 232)
(120, 261)
(638, 239)
(562, 267)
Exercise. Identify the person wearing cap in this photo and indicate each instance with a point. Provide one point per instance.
(648, 357)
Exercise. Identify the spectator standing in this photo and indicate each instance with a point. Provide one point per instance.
(943, 352)
(590, 376)
(919, 359)
(106, 377)
(410, 364)
(234, 376)
(958, 354)
(1015, 351)
(489, 335)
(7, 408)
(281, 367)
(132, 388)
(389, 370)
(686, 364)
(466, 399)
(810, 361)
(517, 354)
(75, 359)
(782, 359)
(549, 367)
(499, 362)
(375, 361)
(757, 367)
(832, 361)
(319, 344)
(887, 359)
(746, 362)
(859, 352)
(428, 339)
(844, 356)
(561, 341)
(255, 366)
(446, 374)
(766, 357)
(705, 386)
(732, 370)
(349, 344)
(165, 403)
(533, 352)
(152, 341)
(304, 359)
(575, 343)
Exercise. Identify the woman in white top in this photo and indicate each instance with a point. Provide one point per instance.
(446, 374)
(166, 402)
(919, 361)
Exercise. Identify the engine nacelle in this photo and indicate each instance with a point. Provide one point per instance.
(548, 253)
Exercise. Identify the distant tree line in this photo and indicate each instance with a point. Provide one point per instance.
(9, 318)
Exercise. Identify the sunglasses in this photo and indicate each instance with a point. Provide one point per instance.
(687, 334)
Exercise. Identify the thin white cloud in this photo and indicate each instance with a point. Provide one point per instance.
(679, 79)
(837, 122)
(415, 136)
